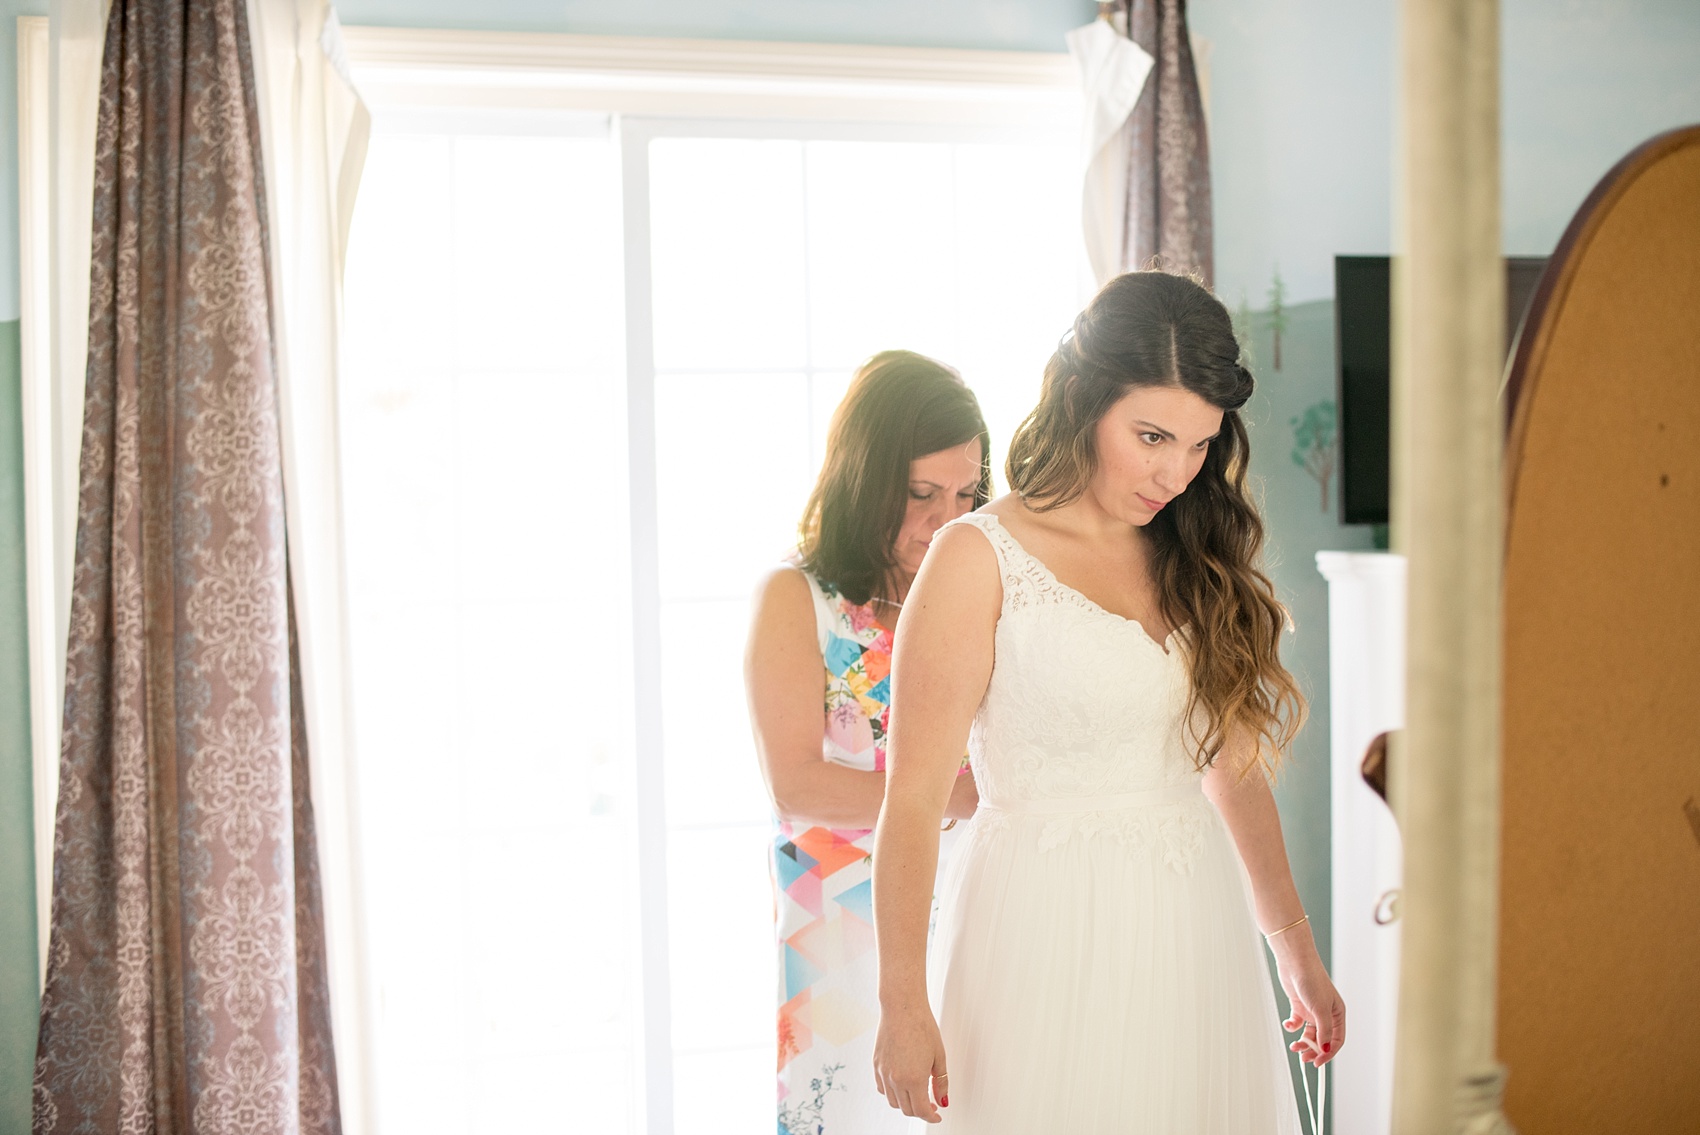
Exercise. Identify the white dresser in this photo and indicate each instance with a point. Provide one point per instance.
(1366, 666)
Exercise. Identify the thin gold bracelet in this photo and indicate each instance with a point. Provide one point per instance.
(947, 827)
(1270, 937)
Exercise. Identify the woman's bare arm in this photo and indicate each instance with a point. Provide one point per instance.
(785, 681)
(1247, 807)
(940, 670)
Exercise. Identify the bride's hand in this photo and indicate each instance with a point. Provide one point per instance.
(908, 1058)
(1318, 1012)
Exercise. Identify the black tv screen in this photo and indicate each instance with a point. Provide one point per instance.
(1363, 350)
(1363, 354)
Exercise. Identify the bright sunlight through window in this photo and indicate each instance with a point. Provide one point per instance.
(486, 445)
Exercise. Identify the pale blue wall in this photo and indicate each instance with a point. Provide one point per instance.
(1302, 119)
(17, 852)
(1301, 104)
(10, 10)
(1008, 25)
(1584, 82)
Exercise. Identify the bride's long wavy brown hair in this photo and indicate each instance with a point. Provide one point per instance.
(1157, 329)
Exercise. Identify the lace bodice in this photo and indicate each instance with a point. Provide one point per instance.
(1096, 886)
(1081, 702)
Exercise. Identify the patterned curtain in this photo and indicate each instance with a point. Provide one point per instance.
(1168, 183)
(186, 982)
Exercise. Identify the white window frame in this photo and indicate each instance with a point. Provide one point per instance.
(40, 553)
(650, 88)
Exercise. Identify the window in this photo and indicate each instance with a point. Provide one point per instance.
(602, 298)
(779, 264)
(489, 590)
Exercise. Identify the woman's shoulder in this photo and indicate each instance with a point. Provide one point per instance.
(965, 549)
(989, 521)
(1026, 534)
(787, 588)
(788, 607)
(961, 579)
(788, 572)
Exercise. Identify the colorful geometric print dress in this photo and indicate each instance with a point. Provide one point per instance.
(828, 997)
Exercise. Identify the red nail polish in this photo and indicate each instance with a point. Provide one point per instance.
(1326, 1047)
(944, 1101)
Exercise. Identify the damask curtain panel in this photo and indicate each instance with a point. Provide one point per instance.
(1168, 182)
(186, 978)
(1113, 71)
(1146, 167)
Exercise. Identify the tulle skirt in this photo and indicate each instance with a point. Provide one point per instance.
(1099, 972)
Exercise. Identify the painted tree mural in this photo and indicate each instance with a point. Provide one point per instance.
(1277, 312)
(1242, 334)
(1313, 445)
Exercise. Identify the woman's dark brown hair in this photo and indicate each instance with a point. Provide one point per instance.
(1158, 329)
(900, 406)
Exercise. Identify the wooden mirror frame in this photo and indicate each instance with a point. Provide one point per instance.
(1599, 958)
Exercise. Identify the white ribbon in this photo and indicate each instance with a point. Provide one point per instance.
(1317, 1110)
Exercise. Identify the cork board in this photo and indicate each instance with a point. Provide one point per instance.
(1599, 995)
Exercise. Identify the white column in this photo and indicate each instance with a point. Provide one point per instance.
(1448, 322)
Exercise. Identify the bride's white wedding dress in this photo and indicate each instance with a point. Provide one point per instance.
(1096, 968)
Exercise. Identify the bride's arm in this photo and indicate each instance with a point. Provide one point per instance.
(942, 662)
(1248, 809)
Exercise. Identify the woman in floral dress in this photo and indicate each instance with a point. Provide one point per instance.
(907, 453)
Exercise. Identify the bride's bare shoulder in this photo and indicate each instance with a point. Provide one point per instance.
(959, 547)
(961, 560)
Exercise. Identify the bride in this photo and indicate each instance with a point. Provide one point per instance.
(1104, 640)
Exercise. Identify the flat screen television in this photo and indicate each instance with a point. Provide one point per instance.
(1363, 353)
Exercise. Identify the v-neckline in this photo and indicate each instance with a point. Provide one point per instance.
(1090, 602)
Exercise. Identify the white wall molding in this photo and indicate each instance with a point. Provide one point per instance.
(702, 59)
(711, 78)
